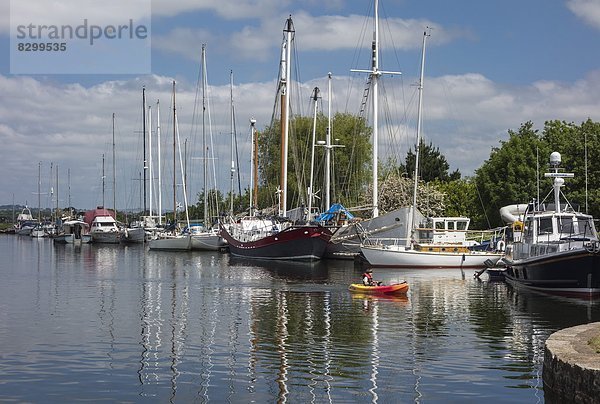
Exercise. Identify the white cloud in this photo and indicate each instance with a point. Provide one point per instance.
(587, 10)
(320, 33)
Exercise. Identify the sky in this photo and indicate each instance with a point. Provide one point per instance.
(490, 67)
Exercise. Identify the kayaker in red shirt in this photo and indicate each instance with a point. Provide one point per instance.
(368, 278)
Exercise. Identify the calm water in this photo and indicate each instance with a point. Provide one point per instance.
(114, 323)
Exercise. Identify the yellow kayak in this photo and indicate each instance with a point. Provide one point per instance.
(393, 289)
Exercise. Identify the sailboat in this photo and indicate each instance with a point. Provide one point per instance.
(348, 234)
(173, 240)
(442, 243)
(278, 237)
(205, 237)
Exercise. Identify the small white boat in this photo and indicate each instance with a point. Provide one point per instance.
(38, 231)
(103, 226)
(171, 242)
(442, 244)
(25, 222)
(73, 232)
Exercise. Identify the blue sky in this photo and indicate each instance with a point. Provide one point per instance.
(490, 67)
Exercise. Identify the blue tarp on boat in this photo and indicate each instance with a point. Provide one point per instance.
(333, 211)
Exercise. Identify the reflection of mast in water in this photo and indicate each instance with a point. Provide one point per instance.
(282, 336)
(312, 317)
(374, 353)
(178, 327)
(152, 322)
(210, 311)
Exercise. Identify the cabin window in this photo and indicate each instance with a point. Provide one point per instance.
(461, 225)
(450, 225)
(586, 227)
(439, 225)
(565, 225)
(545, 225)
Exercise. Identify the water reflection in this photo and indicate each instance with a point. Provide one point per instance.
(205, 326)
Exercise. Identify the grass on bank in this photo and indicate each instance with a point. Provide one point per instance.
(595, 343)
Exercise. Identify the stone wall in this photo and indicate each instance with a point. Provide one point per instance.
(571, 371)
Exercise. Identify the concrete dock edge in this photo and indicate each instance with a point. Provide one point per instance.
(571, 370)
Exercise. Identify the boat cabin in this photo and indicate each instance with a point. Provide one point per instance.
(555, 227)
(444, 230)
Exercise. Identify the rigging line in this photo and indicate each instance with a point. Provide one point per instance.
(482, 205)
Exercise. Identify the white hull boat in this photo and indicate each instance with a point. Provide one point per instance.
(399, 257)
(171, 243)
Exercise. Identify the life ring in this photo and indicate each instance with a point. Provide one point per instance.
(501, 245)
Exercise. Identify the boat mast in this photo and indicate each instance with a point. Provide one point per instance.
(150, 163)
(113, 167)
(315, 98)
(69, 185)
(204, 154)
(103, 179)
(254, 167)
(232, 141)
(286, 52)
(39, 191)
(159, 162)
(56, 214)
(411, 218)
(328, 146)
(181, 165)
(144, 140)
(174, 159)
(375, 73)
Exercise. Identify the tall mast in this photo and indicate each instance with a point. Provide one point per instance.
(114, 167)
(103, 180)
(150, 163)
(204, 151)
(375, 73)
(315, 98)
(56, 213)
(232, 141)
(183, 186)
(328, 146)
(411, 218)
(174, 158)
(39, 191)
(144, 141)
(286, 52)
(253, 167)
(159, 162)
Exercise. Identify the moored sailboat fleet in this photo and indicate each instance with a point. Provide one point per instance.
(553, 247)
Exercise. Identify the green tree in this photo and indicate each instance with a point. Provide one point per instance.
(509, 175)
(351, 164)
(432, 164)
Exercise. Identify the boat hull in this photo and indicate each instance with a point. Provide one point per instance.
(134, 235)
(399, 257)
(393, 289)
(208, 242)
(177, 243)
(112, 237)
(573, 272)
(294, 243)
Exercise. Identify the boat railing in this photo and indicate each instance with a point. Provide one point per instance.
(386, 241)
